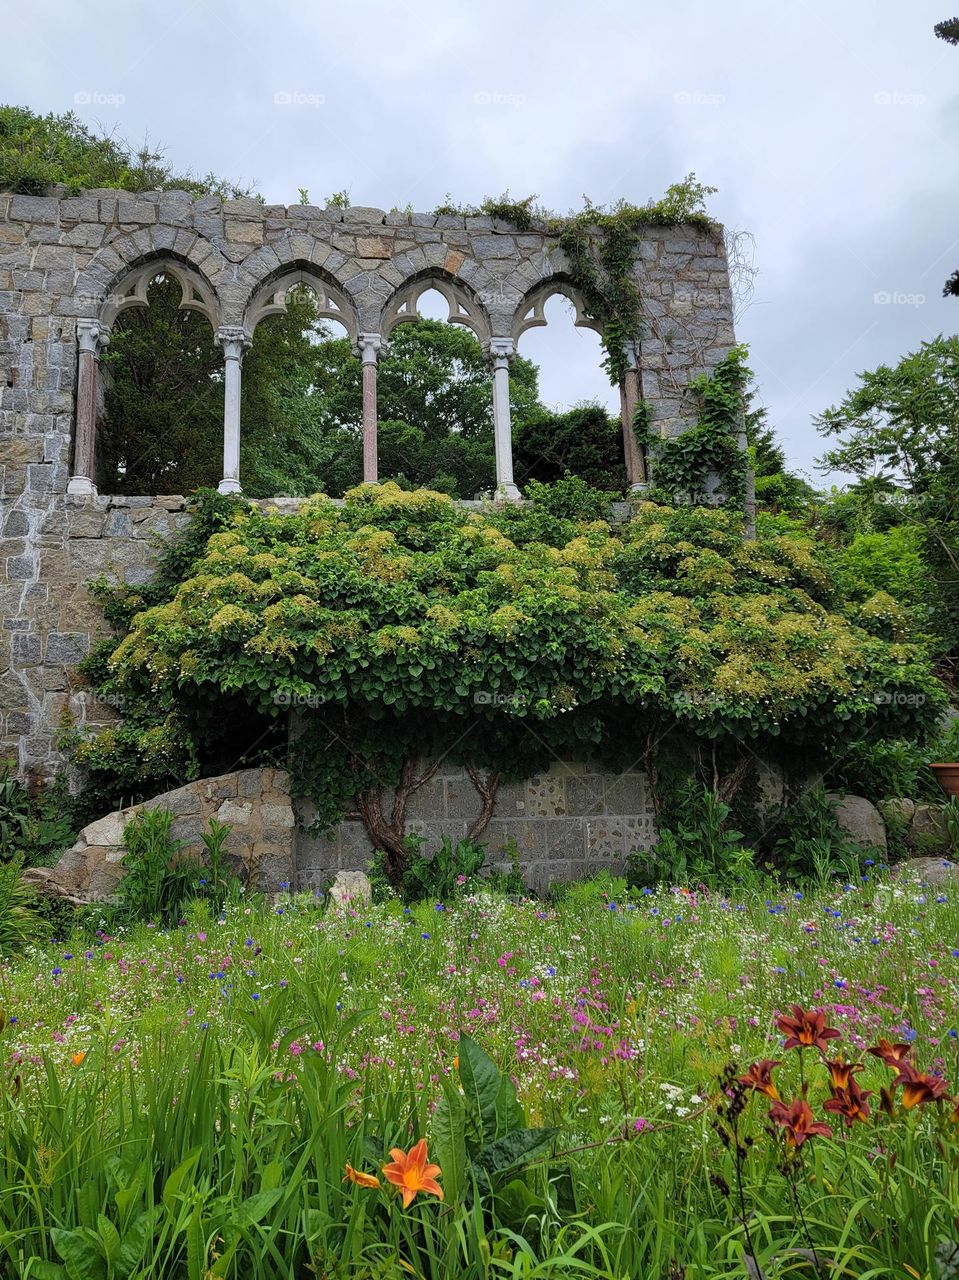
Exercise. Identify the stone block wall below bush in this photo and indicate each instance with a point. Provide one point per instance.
(570, 822)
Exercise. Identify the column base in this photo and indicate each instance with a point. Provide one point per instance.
(229, 486)
(508, 493)
(81, 487)
(641, 486)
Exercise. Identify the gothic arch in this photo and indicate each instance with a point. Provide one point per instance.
(269, 298)
(530, 313)
(111, 266)
(197, 294)
(466, 309)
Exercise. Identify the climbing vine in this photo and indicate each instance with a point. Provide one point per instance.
(705, 465)
(602, 267)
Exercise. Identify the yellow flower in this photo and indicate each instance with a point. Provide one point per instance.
(361, 1179)
(77, 1058)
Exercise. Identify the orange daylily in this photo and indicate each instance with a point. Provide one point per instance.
(77, 1058)
(841, 1073)
(361, 1179)
(918, 1087)
(411, 1173)
(759, 1077)
(806, 1029)
(849, 1101)
(797, 1120)
(893, 1055)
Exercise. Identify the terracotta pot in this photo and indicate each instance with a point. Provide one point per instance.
(947, 775)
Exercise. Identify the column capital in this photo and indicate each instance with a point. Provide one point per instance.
(369, 347)
(501, 351)
(234, 340)
(92, 335)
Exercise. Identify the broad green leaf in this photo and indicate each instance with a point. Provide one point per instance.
(82, 1257)
(509, 1113)
(255, 1208)
(181, 1174)
(448, 1142)
(110, 1239)
(515, 1149)
(480, 1078)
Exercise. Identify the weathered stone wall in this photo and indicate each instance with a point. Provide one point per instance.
(84, 257)
(567, 823)
(254, 802)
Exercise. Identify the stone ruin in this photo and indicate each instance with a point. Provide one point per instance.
(69, 265)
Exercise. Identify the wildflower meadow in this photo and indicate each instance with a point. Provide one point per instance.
(618, 1084)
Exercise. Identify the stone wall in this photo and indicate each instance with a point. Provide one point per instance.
(83, 259)
(255, 803)
(568, 823)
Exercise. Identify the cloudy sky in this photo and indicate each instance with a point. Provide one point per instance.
(830, 130)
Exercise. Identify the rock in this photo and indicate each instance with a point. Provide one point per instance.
(108, 830)
(932, 870)
(899, 811)
(928, 826)
(861, 821)
(351, 888)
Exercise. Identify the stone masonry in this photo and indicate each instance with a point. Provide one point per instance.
(254, 802)
(69, 265)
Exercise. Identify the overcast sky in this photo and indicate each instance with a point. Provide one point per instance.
(830, 129)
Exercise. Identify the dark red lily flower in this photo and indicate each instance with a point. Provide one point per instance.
(918, 1087)
(841, 1073)
(797, 1120)
(893, 1055)
(806, 1029)
(849, 1102)
(759, 1077)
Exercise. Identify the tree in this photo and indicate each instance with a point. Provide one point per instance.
(777, 489)
(37, 152)
(408, 629)
(585, 441)
(898, 431)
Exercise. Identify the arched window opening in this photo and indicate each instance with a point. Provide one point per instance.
(577, 427)
(159, 411)
(434, 391)
(301, 394)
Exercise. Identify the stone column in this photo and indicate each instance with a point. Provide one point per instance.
(369, 346)
(234, 340)
(92, 337)
(501, 352)
(629, 397)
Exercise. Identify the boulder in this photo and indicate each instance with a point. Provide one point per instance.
(262, 835)
(928, 826)
(932, 870)
(351, 889)
(861, 821)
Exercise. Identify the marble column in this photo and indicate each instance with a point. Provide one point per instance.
(629, 397)
(92, 337)
(370, 346)
(234, 340)
(501, 352)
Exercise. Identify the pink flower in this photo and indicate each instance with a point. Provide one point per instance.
(641, 1125)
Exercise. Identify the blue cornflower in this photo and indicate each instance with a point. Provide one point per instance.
(611, 906)
(57, 971)
(425, 935)
(254, 995)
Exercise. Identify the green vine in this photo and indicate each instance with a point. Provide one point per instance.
(706, 465)
(602, 267)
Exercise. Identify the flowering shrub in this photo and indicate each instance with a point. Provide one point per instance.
(404, 628)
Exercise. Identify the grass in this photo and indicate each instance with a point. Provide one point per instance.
(184, 1103)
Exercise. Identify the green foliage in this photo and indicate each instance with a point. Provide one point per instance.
(585, 442)
(810, 846)
(20, 922)
(402, 619)
(338, 200)
(706, 464)
(886, 770)
(158, 876)
(449, 872)
(701, 848)
(35, 827)
(898, 431)
(37, 152)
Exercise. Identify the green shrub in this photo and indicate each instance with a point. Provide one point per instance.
(20, 922)
(810, 845)
(37, 827)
